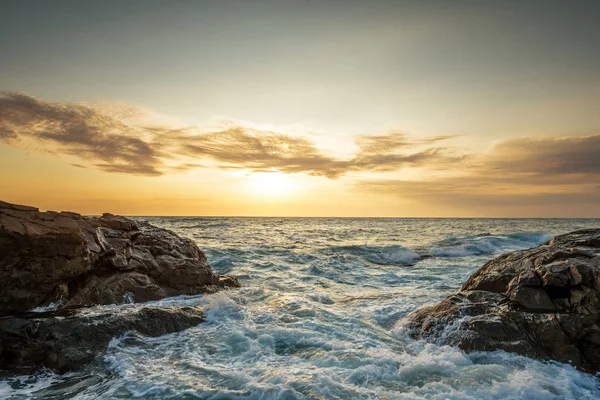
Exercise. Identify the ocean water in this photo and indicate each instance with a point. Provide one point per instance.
(320, 316)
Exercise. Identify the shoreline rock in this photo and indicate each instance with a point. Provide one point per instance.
(68, 339)
(74, 262)
(542, 302)
(70, 260)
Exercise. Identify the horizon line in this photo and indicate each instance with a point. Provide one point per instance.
(336, 217)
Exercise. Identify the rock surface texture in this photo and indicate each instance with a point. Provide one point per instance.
(542, 302)
(70, 260)
(65, 340)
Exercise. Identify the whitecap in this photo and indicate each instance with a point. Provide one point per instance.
(462, 246)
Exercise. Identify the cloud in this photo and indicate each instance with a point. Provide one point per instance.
(520, 172)
(254, 150)
(119, 139)
(79, 130)
(383, 144)
(566, 155)
(116, 139)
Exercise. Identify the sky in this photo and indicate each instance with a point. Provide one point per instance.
(302, 108)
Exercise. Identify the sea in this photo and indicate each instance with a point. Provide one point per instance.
(320, 315)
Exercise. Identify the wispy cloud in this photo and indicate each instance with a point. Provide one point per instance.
(383, 144)
(116, 139)
(112, 141)
(547, 156)
(242, 148)
(81, 131)
(516, 172)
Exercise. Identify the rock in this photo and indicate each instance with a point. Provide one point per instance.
(494, 276)
(556, 274)
(67, 339)
(70, 260)
(542, 302)
(531, 299)
(529, 278)
(8, 206)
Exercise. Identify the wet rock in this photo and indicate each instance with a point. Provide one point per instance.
(556, 274)
(542, 302)
(68, 339)
(532, 299)
(529, 278)
(64, 258)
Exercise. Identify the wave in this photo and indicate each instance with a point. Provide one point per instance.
(455, 246)
(207, 225)
(473, 245)
(382, 255)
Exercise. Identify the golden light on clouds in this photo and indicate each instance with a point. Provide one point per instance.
(156, 166)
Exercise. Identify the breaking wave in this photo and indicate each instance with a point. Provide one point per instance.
(462, 246)
(451, 247)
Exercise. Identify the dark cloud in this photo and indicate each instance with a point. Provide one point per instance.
(112, 143)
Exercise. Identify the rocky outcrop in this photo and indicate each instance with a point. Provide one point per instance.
(68, 339)
(542, 302)
(73, 262)
(70, 260)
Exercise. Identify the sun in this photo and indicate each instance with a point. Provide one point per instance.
(271, 184)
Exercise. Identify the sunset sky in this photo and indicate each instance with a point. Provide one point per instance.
(302, 108)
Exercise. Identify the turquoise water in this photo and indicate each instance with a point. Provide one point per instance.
(320, 315)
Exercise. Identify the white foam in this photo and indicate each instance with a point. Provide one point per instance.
(462, 246)
(25, 386)
(49, 307)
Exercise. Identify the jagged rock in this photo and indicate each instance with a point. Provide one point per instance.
(542, 302)
(68, 339)
(64, 258)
